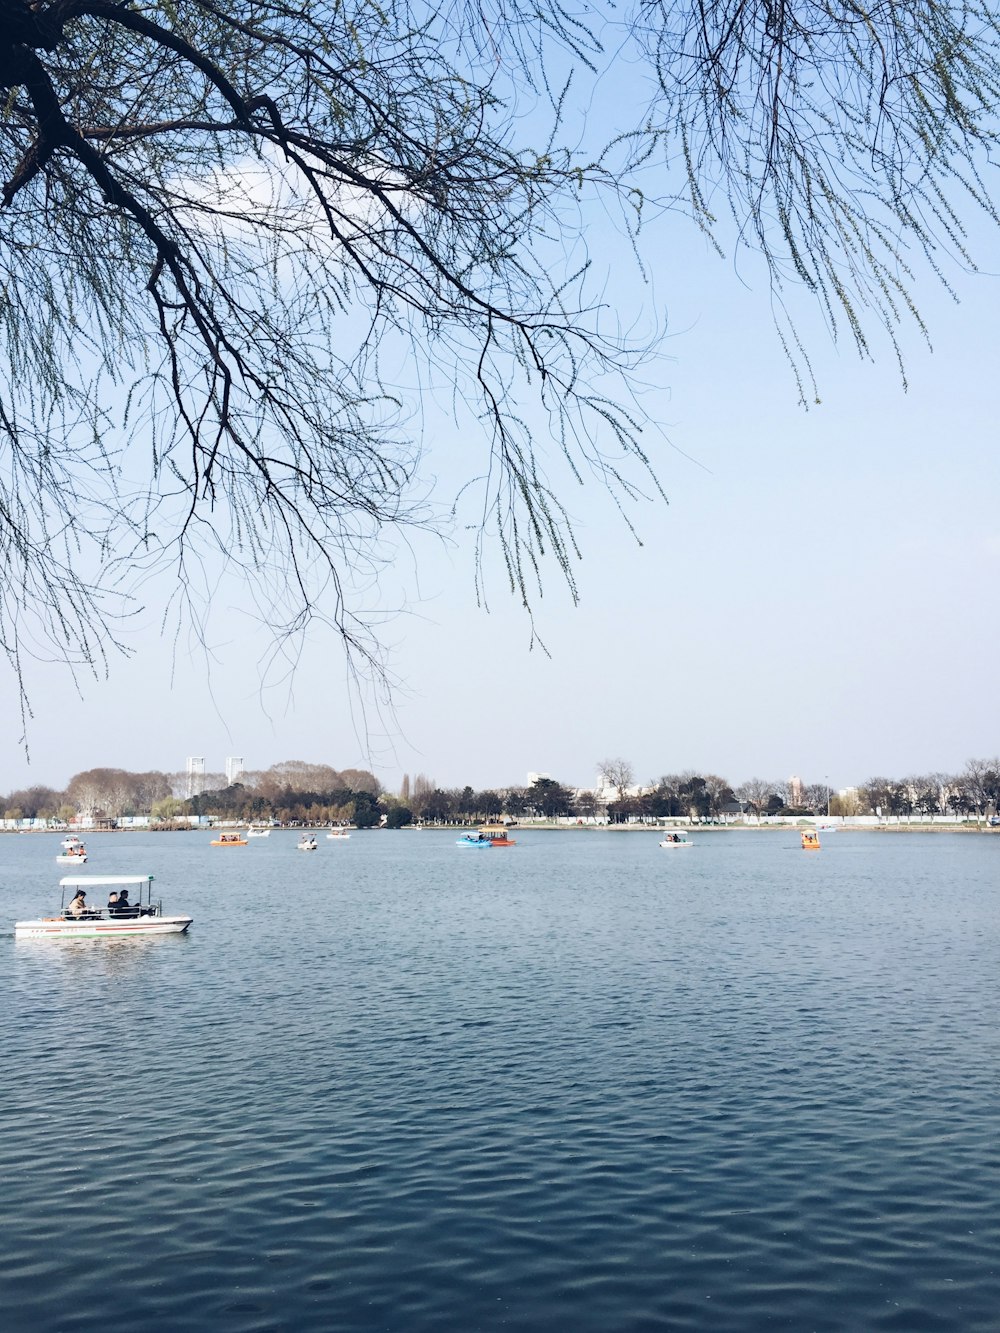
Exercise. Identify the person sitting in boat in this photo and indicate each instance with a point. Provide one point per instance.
(125, 908)
(78, 905)
(112, 904)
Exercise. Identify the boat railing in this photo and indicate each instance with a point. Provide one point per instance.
(130, 913)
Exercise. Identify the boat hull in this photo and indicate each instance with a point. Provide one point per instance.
(671, 845)
(59, 928)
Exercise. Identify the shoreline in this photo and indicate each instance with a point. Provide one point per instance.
(675, 827)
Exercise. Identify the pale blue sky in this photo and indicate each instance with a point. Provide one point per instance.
(818, 598)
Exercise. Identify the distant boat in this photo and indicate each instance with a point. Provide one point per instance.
(675, 840)
(75, 855)
(810, 840)
(498, 834)
(253, 832)
(474, 840)
(307, 843)
(338, 835)
(229, 840)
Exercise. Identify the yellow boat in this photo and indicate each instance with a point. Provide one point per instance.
(498, 834)
(229, 840)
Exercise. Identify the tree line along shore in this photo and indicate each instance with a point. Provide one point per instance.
(296, 793)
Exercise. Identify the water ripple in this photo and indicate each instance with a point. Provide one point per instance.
(566, 1087)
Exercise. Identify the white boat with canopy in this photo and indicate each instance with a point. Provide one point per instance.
(79, 919)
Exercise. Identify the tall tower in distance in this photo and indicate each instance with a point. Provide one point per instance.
(234, 769)
(196, 774)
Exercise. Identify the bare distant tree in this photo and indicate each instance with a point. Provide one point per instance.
(617, 773)
(981, 782)
(719, 792)
(300, 775)
(816, 796)
(359, 779)
(754, 793)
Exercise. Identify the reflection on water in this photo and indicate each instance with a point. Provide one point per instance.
(575, 1084)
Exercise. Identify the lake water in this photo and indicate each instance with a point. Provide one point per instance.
(580, 1084)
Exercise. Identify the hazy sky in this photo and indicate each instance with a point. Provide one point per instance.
(819, 597)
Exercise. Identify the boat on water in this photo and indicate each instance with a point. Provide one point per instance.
(229, 840)
(675, 840)
(488, 835)
(472, 840)
(338, 835)
(69, 842)
(253, 832)
(810, 841)
(307, 843)
(77, 919)
(73, 856)
(498, 834)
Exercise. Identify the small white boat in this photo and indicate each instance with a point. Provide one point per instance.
(253, 832)
(675, 840)
(338, 834)
(69, 842)
(307, 843)
(73, 856)
(77, 920)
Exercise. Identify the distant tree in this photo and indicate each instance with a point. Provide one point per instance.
(617, 773)
(487, 804)
(815, 796)
(436, 806)
(883, 796)
(168, 807)
(36, 802)
(515, 802)
(694, 794)
(585, 805)
(755, 793)
(719, 794)
(549, 798)
(398, 815)
(980, 782)
(366, 813)
(298, 775)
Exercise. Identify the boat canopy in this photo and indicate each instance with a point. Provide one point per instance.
(94, 881)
